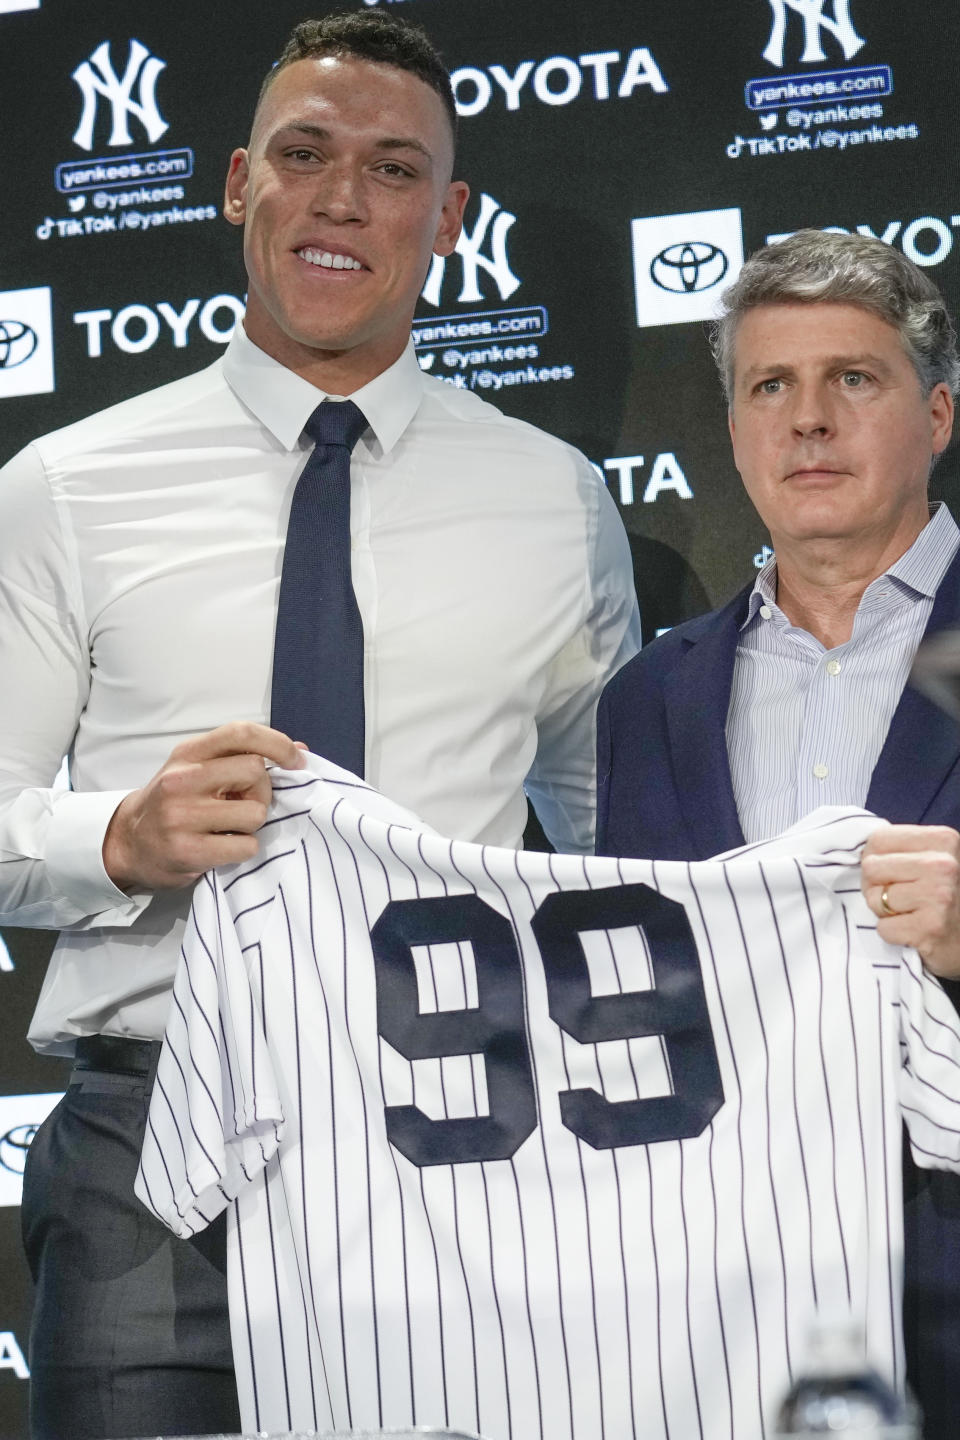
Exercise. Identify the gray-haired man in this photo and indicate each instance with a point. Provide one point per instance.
(840, 365)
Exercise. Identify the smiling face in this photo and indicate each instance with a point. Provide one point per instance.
(344, 195)
(831, 432)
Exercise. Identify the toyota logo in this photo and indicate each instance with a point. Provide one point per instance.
(689, 266)
(14, 1146)
(17, 343)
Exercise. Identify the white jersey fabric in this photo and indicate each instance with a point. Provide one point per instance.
(544, 1147)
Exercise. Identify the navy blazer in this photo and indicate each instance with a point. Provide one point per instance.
(665, 792)
(664, 787)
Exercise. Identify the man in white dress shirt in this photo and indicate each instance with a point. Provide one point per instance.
(141, 560)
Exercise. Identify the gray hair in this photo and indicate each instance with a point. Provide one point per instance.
(814, 266)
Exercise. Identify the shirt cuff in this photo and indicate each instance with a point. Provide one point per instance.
(74, 857)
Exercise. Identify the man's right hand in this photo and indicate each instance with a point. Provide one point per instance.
(201, 809)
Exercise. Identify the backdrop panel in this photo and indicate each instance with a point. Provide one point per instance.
(623, 159)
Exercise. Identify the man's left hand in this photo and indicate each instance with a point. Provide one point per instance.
(911, 879)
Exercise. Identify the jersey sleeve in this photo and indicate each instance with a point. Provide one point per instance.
(829, 842)
(215, 1115)
(930, 1075)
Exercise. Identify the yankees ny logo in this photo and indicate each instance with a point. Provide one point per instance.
(97, 77)
(469, 248)
(815, 22)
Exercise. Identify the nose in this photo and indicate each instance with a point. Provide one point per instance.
(338, 194)
(811, 411)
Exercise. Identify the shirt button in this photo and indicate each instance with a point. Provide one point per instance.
(765, 611)
(833, 667)
(820, 771)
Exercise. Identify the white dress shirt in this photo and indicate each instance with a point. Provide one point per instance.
(140, 556)
(806, 725)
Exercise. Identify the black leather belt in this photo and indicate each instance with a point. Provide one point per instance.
(117, 1052)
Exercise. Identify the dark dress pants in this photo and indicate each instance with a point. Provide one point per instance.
(130, 1333)
(931, 1302)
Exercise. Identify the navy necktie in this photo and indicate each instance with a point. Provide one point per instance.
(317, 692)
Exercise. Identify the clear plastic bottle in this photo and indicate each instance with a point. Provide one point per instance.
(839, 1393)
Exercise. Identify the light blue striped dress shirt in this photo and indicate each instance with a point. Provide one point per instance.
(806, 725)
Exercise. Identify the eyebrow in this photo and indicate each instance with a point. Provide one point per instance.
(386, 142)
(830, 362)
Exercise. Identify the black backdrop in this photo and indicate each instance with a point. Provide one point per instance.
(622, 158)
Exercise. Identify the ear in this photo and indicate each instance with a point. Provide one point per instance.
(235, 191)
(451, 218)
(941, 417)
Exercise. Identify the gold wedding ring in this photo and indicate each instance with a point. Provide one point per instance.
(885, 905)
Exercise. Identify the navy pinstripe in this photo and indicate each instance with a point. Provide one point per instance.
(569, 1290)
(740, 1155)
(823, 1071)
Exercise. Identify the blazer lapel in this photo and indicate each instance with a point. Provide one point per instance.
(923, 743)
(696, 697)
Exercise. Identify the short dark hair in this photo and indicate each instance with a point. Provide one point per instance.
(369, 35)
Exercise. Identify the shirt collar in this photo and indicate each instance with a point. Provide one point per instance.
(764, 590)
(924, 565)
(920, 569)
(284, 402)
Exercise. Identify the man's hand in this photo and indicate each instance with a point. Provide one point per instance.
(201, 809)
(917, 869)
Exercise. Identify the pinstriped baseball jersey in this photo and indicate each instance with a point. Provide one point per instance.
(544, 1147)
